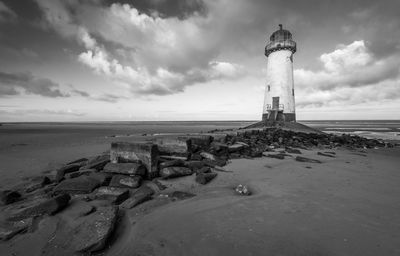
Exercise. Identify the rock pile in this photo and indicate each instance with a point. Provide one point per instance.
(128, 176)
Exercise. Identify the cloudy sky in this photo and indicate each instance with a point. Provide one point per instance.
(88, 60)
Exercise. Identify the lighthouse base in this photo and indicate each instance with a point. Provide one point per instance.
(279, 116)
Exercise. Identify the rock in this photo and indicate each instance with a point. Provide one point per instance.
(97, 163)
(81, 161)
(205, 169)
(243, 190)
(36, 183)
(213, 163)
(177, 162)
(93, 233)
(174, 172)
(198, 142)
(126, 181)
(277, 156)
(146, 153)
(180, 195)
(292, 150)
(204, 178)
(194, 165)
(79, 185)
(101, 177)
(323, 154)
(235, 147)
(66, 169)
(307, 160)
(208, 156)
(9, 197)
(78, 209)
(141, 195)
(9, 229)
(43, 206)
(170, 158)
(113, 194)
(79, 173)
(155, 185)
(126, 168)
(170, 146)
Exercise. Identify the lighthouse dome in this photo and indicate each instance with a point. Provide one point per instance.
(281, 34)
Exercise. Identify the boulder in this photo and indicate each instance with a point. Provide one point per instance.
(93, 233)
(204, 178)
(146, 153)
(126, 168)
(97, 162)
(42, 207)
(79, 185)
(213, 163)
(205, 169)
(112, 194)
(126, 181)
(174, 172)
(139, 196)
(9, 197)
(171, 146)
(307, 160)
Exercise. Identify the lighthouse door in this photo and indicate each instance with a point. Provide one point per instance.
(275, 103)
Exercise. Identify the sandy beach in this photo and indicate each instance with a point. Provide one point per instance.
(346, 205)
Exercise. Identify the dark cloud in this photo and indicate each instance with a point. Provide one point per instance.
(18, 83)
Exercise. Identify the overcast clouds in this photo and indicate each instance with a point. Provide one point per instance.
(194, 59)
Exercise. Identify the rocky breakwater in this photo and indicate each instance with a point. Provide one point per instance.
(87, 196)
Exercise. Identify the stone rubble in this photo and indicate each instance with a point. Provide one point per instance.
(133, 172)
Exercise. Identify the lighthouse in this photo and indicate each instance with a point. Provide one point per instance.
(279, 90)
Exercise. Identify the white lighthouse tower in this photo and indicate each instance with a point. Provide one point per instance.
(279, 91)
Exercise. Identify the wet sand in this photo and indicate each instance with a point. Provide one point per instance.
(347, 205)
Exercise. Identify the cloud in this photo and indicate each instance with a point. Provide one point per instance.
(351, 74)
(67, 112)
(166, 54)
(6, 14)
(18, 83)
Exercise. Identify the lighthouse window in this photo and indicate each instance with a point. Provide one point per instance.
(269, 88)
(293, 92)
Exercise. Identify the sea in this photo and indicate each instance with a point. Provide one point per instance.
(69, 132)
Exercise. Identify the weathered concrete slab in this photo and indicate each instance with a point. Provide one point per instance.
(126, 168)
(93, 233)
(46, 206)
(146, 153)
(97, 162)
(174, 172)
(36, 183)
(198, 142)
(169, 163)
(66, 169)
(124, 181)
(172, 146)
(112, 194)
(79, 185)
(141, 195)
